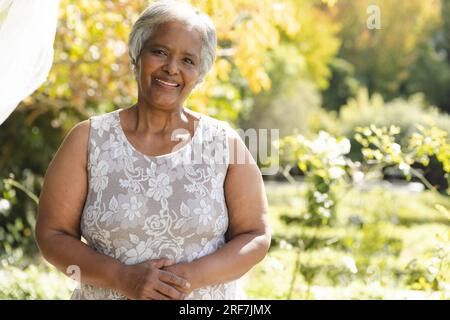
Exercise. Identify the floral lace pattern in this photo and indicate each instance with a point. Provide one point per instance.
(170, 206)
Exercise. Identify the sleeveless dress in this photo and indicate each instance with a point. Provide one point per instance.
(140, 207)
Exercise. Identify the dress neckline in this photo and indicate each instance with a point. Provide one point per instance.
(166, 155)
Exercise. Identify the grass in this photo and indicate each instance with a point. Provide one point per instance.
(385, 245)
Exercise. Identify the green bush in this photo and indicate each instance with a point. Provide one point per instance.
(364, 111)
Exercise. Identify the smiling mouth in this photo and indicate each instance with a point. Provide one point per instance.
(166, 84)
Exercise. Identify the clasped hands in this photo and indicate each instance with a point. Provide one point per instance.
(159, 279)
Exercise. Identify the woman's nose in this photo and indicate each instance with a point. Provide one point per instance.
(171, 66)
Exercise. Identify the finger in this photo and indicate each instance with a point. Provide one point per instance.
(161, 263)
(171, 278)
(170, 292)
(155, 295)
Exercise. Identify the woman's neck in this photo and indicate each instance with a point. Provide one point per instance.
(144, 118)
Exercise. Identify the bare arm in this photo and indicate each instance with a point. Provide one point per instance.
(248, 236)
(58, 228)
(60, 206)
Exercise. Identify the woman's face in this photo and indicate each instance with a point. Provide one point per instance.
(169, 65)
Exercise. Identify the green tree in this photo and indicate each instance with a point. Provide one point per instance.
(431, 73)
(382, 57)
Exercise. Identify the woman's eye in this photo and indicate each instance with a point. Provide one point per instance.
(160, 52)
(189, 61)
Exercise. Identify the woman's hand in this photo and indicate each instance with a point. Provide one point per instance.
(184, 270)
(147, 281)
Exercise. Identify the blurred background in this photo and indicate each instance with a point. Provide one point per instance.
(360, 91)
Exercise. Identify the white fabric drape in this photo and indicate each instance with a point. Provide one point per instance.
(27, 33)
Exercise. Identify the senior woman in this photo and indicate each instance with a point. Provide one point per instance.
(157, 191)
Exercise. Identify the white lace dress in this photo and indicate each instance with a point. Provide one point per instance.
(170, 206)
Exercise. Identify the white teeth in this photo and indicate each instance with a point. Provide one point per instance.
(167, 83)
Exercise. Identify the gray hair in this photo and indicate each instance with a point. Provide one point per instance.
(163, 11)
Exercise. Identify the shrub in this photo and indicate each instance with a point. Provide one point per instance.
(364, 111)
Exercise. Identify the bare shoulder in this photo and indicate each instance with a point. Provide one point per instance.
(75, 144)
(71, 157)
(81, 128)
(78, 135)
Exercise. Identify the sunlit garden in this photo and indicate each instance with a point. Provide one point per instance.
(359, 204)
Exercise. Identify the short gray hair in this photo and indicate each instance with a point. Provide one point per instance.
(163, 11)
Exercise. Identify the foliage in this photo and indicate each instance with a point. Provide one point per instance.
(17, 231)
(343, 85)
(380, 147)
(431, 73)
(323, 162)
(37, 280)
(298, 68)
(382, 254)
(303, 109)
(365, 110)
(409, 54)
(325, 167)
(382, 57)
